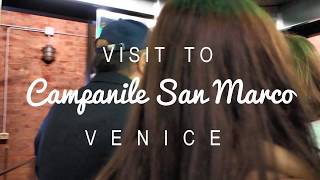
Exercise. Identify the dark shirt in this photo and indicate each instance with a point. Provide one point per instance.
(61, 146)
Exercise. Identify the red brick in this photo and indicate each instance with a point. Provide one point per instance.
(25, 65)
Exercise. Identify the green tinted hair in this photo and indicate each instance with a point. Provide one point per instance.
(303, 52)
(307, 67)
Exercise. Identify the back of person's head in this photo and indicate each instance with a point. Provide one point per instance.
(246, 45)
(307, 66)
(124, 33)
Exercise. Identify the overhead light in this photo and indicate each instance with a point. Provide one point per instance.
(157, 8)
(146, 7)
(279, 22)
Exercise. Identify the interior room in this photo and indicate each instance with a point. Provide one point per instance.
(57, 39)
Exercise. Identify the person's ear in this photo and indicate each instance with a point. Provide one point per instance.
(101, 43)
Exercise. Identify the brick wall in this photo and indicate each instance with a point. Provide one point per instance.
(25, 65)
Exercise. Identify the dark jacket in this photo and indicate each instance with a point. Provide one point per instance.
(61, 146)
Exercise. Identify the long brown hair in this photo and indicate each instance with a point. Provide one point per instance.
(247, 46)
(307, 66)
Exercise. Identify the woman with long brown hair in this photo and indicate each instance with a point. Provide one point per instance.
(258, 141)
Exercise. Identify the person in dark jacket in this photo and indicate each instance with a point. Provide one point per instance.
(74, 147)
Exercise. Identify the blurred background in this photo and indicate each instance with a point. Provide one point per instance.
(54, 39)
